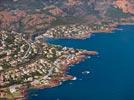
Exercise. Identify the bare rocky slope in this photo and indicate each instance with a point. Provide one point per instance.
(30, 16)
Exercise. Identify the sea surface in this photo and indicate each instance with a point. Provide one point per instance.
(111, 74)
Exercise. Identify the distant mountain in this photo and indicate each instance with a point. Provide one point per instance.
(36, 15)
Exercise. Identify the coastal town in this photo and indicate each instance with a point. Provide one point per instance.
(25, 65)
(28, 61)
(78, 31)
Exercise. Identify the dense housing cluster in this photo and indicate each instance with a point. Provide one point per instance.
(33, 64)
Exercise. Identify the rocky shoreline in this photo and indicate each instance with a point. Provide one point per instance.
(58, 81)
(62, 76)
(65, 67)
(27, 62)
(47, 69)
(84, 34)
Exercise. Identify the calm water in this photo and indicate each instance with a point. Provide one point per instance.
(112, 71)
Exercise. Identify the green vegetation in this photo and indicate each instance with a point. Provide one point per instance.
(6, 65)
(116, 13)
(67, 21)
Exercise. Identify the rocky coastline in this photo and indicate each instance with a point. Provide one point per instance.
(27, 62)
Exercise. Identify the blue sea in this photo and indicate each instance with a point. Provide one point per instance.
(111, 74)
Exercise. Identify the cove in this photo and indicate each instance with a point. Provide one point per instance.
(111, 71)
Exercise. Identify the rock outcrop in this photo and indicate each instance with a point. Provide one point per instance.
(127, 6)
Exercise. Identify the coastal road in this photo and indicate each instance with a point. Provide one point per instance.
(28, 50)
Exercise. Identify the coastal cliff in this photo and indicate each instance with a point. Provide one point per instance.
(27, 61)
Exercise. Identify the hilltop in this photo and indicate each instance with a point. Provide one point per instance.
(32, 16)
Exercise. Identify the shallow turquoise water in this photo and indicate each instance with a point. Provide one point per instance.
(112, 71)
